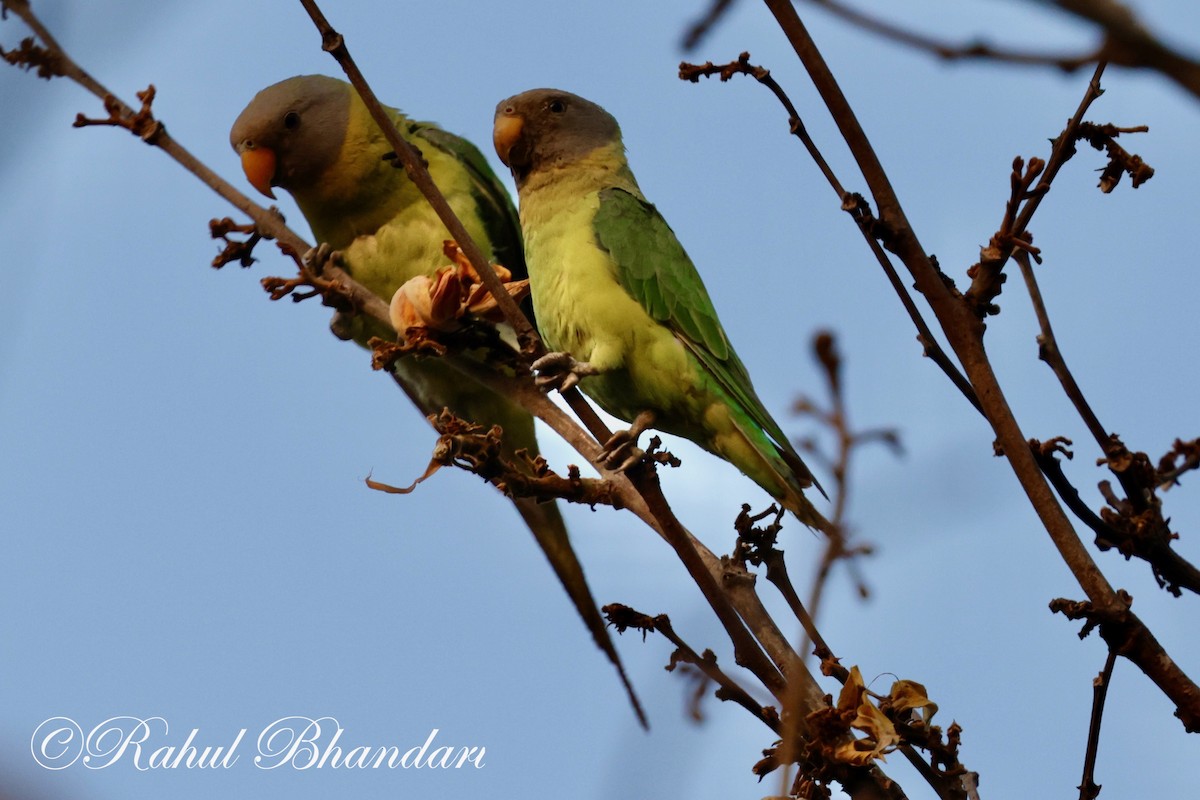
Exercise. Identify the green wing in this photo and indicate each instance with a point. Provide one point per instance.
(500, 218)
(653, 267)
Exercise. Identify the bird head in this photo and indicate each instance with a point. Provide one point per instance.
(547, 128)
(291, 132)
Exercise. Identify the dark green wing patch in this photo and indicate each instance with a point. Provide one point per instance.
(653, 267)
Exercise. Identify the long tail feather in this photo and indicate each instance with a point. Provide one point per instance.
(546, 523)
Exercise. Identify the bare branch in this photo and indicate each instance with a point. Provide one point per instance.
(1125, 41)
(1129, 43)
(949, 51)
(964, 330)
(623, 618)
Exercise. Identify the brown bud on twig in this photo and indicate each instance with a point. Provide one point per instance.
(1120, 160)
(30, 55)
(234, 250)
(140, 123)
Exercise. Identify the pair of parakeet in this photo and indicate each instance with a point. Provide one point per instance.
(614, 293)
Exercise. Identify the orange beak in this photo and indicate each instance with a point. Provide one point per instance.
(259, 165)
(506, 133)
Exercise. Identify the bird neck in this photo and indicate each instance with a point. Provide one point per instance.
(602, 168)
(361, 191)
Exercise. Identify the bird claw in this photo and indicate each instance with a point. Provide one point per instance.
(621, 452)
(315, 258)
(560, 371)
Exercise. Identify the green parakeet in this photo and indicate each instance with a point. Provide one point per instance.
(313, 136)
(617, 296)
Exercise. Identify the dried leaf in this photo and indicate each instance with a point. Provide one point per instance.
(880, 736)
(433, 467)
(440, 302)
(910, 695)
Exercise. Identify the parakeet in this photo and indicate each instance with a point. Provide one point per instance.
(620, 301)
(313, 136)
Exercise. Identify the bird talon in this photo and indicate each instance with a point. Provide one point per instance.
(621, 452)
(315, 258)
(623, 458)
(560, 371)
(553, 362)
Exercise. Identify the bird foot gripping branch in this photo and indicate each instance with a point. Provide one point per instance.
(561, 371)
(621, 451)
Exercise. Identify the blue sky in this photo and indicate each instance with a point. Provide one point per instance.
(189, 536)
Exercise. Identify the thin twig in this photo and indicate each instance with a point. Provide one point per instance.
(1049, 352)
(836, 420)
(1060, 153)
(623, 617)
(1088, 788)
(854, 204)
(1125, 42)
(1139, 528)
(704, 25)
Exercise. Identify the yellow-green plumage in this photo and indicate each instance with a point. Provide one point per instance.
(613, 288)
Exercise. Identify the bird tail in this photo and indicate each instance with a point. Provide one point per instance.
(779, 470)
(794, 499)
(546, 523)
(795, 502)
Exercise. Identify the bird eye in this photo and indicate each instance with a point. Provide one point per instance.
(291, 120)
(557, 106)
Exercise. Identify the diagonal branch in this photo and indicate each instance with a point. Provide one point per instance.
(623, 617)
